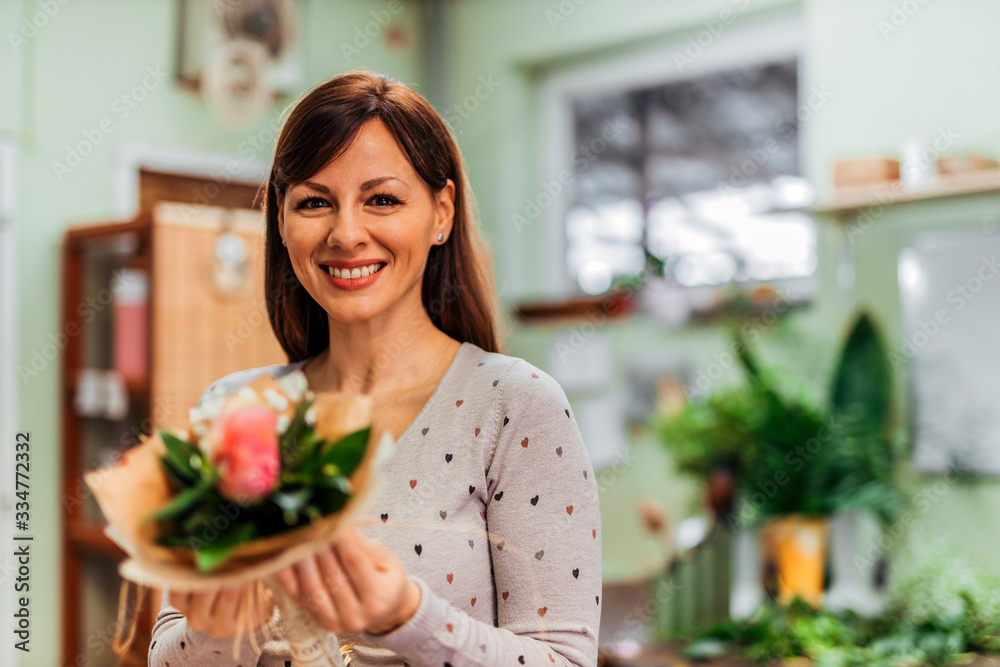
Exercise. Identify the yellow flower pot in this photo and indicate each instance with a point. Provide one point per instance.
(799, 548)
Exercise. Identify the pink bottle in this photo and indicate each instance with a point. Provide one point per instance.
(130, 325)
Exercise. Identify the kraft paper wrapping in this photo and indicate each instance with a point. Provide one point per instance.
(137, 486)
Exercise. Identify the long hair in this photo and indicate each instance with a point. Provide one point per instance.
(458, 292)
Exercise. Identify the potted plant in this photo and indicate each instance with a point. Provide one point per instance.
(714, 439)
(783, 484)
(795, 461)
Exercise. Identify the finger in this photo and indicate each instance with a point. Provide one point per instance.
(201, 605)
(338, 579)
(340, 582)
(226, 602)
(288, 580)
(314, 595)
(359, 563)
(182, 601)
(262, 608)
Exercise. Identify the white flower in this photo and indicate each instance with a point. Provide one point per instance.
(207, 444)
(275, 400)
(212, 408)
(207, 410)
(294, 385)
(284, 421)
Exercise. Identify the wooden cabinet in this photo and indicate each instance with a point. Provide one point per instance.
(153, 311)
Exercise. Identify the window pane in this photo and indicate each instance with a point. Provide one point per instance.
(703, 173)
(604, 240)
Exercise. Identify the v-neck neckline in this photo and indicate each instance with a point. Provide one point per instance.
(434, 395)
(301, 364)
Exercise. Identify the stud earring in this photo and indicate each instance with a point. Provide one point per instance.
(283, 242)
(440, 237)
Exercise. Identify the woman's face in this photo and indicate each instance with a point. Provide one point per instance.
(358, 232)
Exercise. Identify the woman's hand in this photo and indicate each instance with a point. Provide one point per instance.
(354, 584)
(213, 612)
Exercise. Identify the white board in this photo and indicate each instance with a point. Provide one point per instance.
(950, 293)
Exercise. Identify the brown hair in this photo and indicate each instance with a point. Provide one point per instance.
(458, 291)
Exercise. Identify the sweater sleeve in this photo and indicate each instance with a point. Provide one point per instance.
(543, 519)
(175, 643)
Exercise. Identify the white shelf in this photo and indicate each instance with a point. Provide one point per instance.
(849, 200)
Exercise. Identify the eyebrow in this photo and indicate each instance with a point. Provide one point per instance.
(367, 185)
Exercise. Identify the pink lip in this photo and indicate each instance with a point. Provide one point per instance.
(352, 284)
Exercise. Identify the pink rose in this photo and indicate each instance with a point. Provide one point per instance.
(246, 452)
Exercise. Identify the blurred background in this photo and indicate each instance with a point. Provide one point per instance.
(754, 240)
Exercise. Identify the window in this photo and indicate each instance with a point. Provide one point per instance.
(701, 174)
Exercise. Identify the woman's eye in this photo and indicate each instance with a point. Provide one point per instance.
(383, 201)
(310, 202)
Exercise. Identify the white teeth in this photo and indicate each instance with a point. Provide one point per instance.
(350, 274)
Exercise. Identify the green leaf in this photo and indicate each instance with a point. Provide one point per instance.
(330, 500)
(183, 502)
(180, 453)
(346, 453)
(747, 359)
(213, 555)
(716, 433)
(173, 473)
(291, 447)
(172, 541)
(862, 382)
(302, 457)
(201, 517)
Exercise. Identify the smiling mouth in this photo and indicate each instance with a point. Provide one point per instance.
(355, 273)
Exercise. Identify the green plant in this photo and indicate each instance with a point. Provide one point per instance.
(718, 433)
(860, 474)
(784, 475)
(792, 455)
(939, 613)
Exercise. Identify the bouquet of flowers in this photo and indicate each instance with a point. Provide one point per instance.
(259, 480)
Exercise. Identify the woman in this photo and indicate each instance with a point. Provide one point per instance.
(483, 546)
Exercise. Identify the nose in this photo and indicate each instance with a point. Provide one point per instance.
(347, 230)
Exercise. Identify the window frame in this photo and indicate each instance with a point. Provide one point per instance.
(780, 38)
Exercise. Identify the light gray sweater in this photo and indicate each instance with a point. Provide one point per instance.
(490, 502)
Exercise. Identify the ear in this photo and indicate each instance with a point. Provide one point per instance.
(444, 203)
(280, 200)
